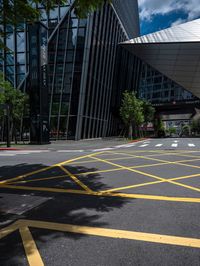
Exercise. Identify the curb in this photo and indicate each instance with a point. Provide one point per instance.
(9, 149)
(138, 140)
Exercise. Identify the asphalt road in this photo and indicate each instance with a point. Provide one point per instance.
(106, 203)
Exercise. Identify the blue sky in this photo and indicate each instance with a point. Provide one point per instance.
(160, 14)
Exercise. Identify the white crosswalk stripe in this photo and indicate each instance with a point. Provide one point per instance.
(70, 151)
(144, 145)
(159, 145)
(191, 145)
(174, 145)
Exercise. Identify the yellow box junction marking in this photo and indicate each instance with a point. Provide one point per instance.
(44, 169)
(109, 193)
(146, 174)
(150, 183)
(106, 194)
(95, 231)
(159, 160)
(75, 179)
(32, 253)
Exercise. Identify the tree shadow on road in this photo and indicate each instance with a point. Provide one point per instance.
(66, 208)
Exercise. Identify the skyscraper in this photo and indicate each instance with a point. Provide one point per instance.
(80, 68)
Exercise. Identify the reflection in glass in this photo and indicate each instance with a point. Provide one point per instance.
(10, 41)
(21, 58)
(20, 41)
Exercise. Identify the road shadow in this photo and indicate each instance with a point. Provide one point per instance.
(66, 208)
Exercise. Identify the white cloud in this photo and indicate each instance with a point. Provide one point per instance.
(178, 21)
(150, 8)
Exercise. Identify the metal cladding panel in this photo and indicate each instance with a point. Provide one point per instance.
(186, 32)
(174, 52)
(127, 11)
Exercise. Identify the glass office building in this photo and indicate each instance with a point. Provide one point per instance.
(160, 90)
(80, 69)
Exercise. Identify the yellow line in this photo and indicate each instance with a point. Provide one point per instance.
(26, 175)
(185, 154)
(132, 167)
(166, 162)
(149, 183)
(74, 178)
(101, 194)
(114, 233)
(112, 159)
(8, 230)
(30, 248)
(153, 197)
(45, 168)
(39, 179)
(149, 175)
(77, 158)
(45, 189)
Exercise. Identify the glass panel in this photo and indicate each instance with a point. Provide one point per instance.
(21, 58)
(9, 70)
(20, 42)
(9, 28)
(53, 127)
(82, 22)
(21, 69)
(63, 128)
(55, 108)
(10, 42)
(64, 108)
(10, 78)
(53, 14)
(20, 78)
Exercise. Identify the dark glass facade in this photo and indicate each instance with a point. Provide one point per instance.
(160, 90)
(82, 56)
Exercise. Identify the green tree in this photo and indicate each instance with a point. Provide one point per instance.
(131, 112)
(195, 126)
(16, 100)
(159, 127)
(172, 130)
(148, 111)
(14, 12)
(186, 131)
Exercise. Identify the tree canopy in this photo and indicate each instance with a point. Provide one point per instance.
(131, 111)
(14, 12)
(15, 99)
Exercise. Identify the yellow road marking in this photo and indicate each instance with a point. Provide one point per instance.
(149, 183)
(8, 230)
(105, 194)
(45, 189)
(166, 162)
(111, 233)
(133, 167)
(45, 168)
(107, 171)
(39, 179)
(26, 175)
(178, 154)
(30, 248)
(111, 159)
(149, 175)
(74, 178)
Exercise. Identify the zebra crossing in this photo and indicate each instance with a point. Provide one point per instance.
(172, 145)
(145, 144)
